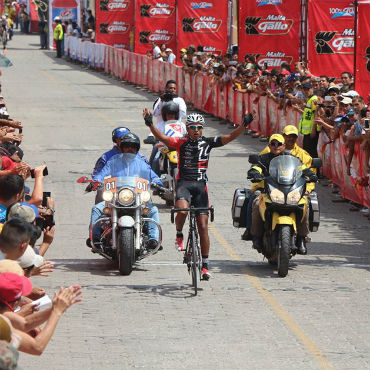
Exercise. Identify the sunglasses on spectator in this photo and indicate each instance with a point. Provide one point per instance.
(196, 127)
(276, 144)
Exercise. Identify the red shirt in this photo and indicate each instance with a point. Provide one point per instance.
(7, 163)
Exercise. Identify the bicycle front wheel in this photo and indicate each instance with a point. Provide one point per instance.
(194, 262)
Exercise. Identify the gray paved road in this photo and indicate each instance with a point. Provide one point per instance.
(245, 317)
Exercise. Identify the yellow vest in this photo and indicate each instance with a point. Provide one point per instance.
(58, 32)
(308, 117)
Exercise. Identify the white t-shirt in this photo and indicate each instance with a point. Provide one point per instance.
(156, 52)
(171, 58)
(158, 107)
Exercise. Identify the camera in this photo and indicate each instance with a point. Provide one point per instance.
(367, 122)
(45, 221)
(45, 172)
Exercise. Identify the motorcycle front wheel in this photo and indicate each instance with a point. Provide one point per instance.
(126, 251)
(284, 250)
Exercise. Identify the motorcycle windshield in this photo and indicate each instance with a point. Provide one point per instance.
(285, 169)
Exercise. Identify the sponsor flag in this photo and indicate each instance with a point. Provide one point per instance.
(155, 21)
(202, 23)
(270, 30)
(65, 10)
(363, 49)
(114, 23)
(331, 37)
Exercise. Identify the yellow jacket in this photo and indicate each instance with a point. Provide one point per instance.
(302, 155)
(58, 32)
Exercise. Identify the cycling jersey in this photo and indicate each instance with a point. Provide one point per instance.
(194, 156)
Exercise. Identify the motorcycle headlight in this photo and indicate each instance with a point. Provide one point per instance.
(107, 196)
(294, 196)
(145, 196)
(126, 197)
(277, 196)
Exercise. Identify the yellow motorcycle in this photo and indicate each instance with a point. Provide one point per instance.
(283, 205)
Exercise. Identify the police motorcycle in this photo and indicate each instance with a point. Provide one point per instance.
(121, 233)
(168, 159)
(283, 203)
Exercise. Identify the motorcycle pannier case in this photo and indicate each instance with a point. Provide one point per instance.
(314, 216)
(239, 207)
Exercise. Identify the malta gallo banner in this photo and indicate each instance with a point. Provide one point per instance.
(155, 21)
(114, 22)
(270, 30)
(331, 37)
(363, 49)
(202, 23)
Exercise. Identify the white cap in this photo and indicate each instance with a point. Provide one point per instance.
(350, 94)
(346, 100)
(30, 258)
(57, 18)
(168, 49)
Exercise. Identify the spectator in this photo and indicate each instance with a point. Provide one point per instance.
(347, 81)
(11, 190)
(58, 36)
(156, 51)
(170, 56)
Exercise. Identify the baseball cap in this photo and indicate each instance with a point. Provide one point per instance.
(30, 258)
(350, 94)
(56, 18)
(25, 211)
(277, 137)
(168, 49)
(290, 130)
(307, 85)
(11, 266)
(346, 100)
(13, 287)
(183, 50)
(334, 87)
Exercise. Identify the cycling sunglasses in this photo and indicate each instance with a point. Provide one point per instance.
(196, 127)
(277, 144)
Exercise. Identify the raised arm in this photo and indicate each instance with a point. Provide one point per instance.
(148, 118)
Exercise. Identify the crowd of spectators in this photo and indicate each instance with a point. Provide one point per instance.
(26, 232)
(338, 110)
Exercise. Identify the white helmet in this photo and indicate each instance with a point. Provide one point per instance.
(57, 18)
(194, 118)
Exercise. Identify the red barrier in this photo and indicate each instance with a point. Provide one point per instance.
(205, 94)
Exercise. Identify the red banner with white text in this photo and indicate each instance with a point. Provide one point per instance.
(114, 23)
(270, 30)
(155, 21)
(363, 49)
(202, 23)
(330, 37)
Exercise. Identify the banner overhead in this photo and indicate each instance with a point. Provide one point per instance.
(114, 23)
(155, 21)
(331, 36)
(202, 23)
(270, 30)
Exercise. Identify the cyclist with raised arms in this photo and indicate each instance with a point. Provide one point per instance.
(193, 156)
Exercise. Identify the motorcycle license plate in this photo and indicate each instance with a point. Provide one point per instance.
(110, 184)
(141, 185)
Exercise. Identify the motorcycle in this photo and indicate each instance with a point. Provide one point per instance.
(283, 202)
(121, 233)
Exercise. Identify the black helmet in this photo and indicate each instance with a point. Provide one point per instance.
(170, 108)
(131, 139)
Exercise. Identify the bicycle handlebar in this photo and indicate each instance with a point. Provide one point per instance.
(192, 210)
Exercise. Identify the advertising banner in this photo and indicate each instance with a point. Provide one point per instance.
(363, 49)
(155, 21)
(65, 10)
(331, 37)
(270, 30)
(114, 23)
(202, 23)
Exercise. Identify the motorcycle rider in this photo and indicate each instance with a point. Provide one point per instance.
(193, 153)
(168, 95)
(133, 165)
(117, 135)
(257, 173)
(290, 134)
(170, 113)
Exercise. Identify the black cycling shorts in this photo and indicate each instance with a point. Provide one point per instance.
(194, 192)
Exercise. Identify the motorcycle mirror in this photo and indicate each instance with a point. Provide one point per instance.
(82, 180)
(254, 159)
(316, 163)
